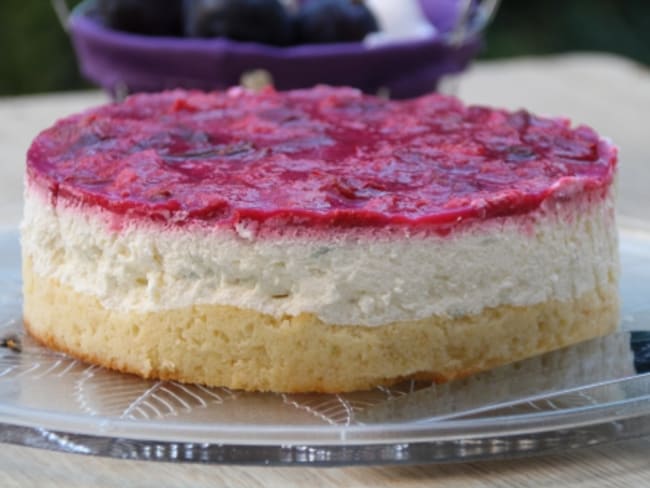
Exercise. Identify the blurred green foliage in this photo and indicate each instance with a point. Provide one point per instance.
(551, 26)
(36, 55)
(35, 52)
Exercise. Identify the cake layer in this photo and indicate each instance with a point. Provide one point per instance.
(324, 158)
(316, 240)
(559, 252)
(229, 346)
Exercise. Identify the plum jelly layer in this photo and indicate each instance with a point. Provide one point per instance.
(321, 158)
(561, 251)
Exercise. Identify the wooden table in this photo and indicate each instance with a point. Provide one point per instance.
(609, 93)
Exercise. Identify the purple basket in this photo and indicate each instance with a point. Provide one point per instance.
(120, 61)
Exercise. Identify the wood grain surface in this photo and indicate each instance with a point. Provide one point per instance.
(611, 94)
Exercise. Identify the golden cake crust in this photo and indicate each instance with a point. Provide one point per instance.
(227, 346)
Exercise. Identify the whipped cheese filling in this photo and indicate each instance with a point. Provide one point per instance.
(558, 252)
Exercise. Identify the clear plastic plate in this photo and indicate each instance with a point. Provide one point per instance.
(583, 395)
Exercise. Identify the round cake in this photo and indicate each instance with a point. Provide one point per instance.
(316, 240)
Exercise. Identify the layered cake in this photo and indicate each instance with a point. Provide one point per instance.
(316, 240)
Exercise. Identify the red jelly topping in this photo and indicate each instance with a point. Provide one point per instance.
(320, 157)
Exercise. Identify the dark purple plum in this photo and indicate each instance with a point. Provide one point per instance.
(150, 17)
(263, 21)
(322, 21)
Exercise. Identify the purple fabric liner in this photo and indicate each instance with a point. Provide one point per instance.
(115, 59)
(443, 14)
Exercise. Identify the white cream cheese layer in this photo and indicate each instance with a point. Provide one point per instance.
(560, 252)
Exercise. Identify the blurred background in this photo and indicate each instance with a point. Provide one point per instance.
(36, 55)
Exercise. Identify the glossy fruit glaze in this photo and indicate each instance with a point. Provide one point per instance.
(320, 158)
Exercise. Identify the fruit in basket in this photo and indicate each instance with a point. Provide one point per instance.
(150, 17)
(321, 21)
(274, 22)
(264, 21)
